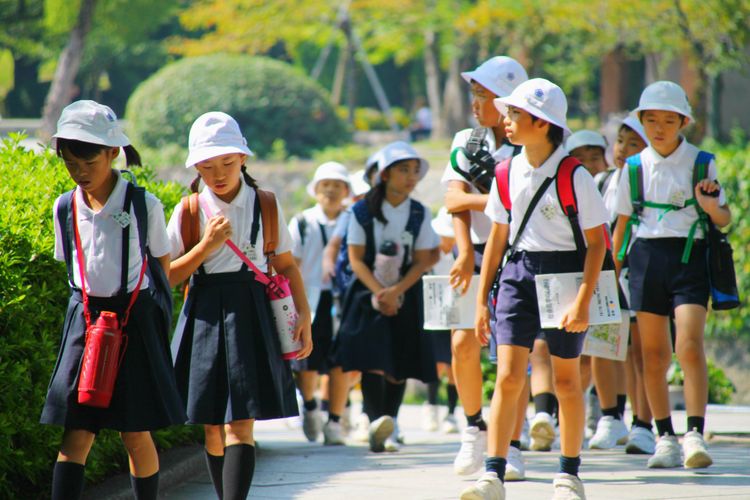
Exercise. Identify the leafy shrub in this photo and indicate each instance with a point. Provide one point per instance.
(374, 119)
(720, 388)
(268, 98)
(33, 298)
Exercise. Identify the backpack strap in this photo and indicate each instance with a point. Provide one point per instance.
(476, 140)
(566, 195)
(190, 229)
(605, 180)
(365, 219)
(413, 226)
(269, 214)
(66, 230)
(700, 172)
(125, 244)
(502, 178)
(635, 176)
(301, 227)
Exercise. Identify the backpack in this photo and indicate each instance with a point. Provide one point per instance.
(302, 228)
(343, 274)
(158, 282)
(481, 161)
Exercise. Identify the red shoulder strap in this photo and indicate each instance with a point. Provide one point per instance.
(564, 182)
(502, 177)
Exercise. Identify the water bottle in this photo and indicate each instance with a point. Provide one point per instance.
(101, 361)
(284, 315)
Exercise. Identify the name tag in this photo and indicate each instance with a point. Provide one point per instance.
(249, 250)
(678, 199)
(407, 239)
(122, 219)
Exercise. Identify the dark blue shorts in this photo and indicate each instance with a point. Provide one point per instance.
(659, 281)
(516, 318)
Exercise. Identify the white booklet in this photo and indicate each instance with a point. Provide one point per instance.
(557, 292)
(608, 341)
(444, 307)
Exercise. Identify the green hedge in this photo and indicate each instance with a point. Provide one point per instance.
(33, 298)
(270, 100)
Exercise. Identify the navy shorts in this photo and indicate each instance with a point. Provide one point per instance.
(516, 318)
(659, 281)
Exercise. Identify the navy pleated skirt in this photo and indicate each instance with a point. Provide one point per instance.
(227, 355)
(396, 345)
(145, 395)
(322, 337)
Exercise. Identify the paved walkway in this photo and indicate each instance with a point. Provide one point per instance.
(290, 468)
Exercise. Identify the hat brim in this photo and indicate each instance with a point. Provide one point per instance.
(476, 76)
(314, 183)
(201, 154)
(662, 107)
(116, 140)
(502, 103)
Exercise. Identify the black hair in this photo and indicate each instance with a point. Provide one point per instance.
(555, 134)
(374, 200)
(88, 150)
(682, 117)
(248, 180)
(626, 128)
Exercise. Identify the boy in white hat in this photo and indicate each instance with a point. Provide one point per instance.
(541, 240)
(668, 262)
(311, 231)
(589, 148)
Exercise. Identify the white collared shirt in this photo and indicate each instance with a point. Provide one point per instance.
(548, 229)
(240, 214)
(101, 240)
(395, 230)
(666, 180)
(610, 194)
(311, 253)
(480, 224)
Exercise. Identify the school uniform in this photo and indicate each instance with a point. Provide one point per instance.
(658, 280)
(226, 351)
(308, 249)
(368, 340)
(145, 395)
(546, 246)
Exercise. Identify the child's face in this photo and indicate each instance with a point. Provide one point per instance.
(331, 193)
(94, 173)
(483, 107)
(663, 129)
(521, 130)
(401, 178)
(627, 144)
(592, 158)
(222, 174)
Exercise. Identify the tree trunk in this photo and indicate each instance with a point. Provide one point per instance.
(432, 74)
(456, 109)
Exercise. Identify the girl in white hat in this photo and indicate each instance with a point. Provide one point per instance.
(113, 239)
(227, 356)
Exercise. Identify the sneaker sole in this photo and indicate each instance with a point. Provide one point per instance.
(699, 460)
(512, 475)
(661, 465)
(377, 438)
(543, 434)
(633, 449)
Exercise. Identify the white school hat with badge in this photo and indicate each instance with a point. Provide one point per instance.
(634, 123)
(358, 184)
(399, 151)
(89, 121)
(541, 98)
(332, 171)
(665, 96)
(442, 224)
(585, 138)
(500, 75)
(214, 134)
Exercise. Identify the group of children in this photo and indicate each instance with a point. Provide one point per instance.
(361, 266)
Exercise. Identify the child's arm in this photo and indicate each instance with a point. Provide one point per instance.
(388, 297)
(617, 240)
(459, 199)
(330, 252)
(493, 253)
(360, 269)
(576, 318)
(218, 230)
(720, 214)
(284, 264)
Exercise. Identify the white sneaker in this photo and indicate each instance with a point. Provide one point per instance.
(695, 450)
(333, 434)
(346, 421)
(470, 457)
(542, 431)
(361, 432)
(525, 439)
(449, 425)
(311, 424)
(667, 453)
(568, 487)
(487, 487)
(515, 469)
(379, 431)
(641, 441)
(609, 431)
(392, 443)
(430, 420)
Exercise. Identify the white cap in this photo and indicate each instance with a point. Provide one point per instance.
(329, 170)
(540, 98)
(665, 96)
(585, 138)
(358, 183)
(632, 121)
(89, 121)
(214, 134)
(500, 75)
(398, 151)
(442, 224)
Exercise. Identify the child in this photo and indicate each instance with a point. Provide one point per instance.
(226, 351)
(668, 264)
(388, 346)
(466, 199)
(589, 148)
(535, 118)
(105, 274)
(311, 231)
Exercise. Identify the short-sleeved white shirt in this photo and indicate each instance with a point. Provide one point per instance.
(395, 229)
(101, 240)
(480, 224)
(311, 253)
(666, 180)
(610, 194)
(240, 214)
(548, 229)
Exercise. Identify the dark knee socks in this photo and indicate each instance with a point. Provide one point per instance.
(496, 465)
(373, 395)
(545, 402)
(476, 421)
(452, 398)
(215, 470)
(145, 488)
(432, 392)
(621, 400)
(696, 424)
(239, 466)
(570, 465)
(67, 481)
(394, 395)
(664, 427)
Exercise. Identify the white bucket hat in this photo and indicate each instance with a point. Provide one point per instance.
(329, 170)
(500, 75)
(358, 183)
(442, 224)
(214, 134)
(89, 121)
(541, 98)
(665, 96)
(634, 123)
(398, 151)
(585, 138)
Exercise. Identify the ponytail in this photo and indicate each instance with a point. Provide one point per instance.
(248, 180)
(374, 200)
(195, 184)
(131, 156)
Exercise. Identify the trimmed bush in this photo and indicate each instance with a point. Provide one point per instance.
(268, 98)
(33, 298)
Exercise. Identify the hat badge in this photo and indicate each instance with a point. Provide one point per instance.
(110, 117)
(510, 76)
(539, 93)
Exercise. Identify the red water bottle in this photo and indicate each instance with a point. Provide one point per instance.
(101, 361)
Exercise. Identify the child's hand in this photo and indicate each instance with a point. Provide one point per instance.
(218, 230)
(462, 271)
(707, 195)
(303, 332)
(575, 319)
(387, 299)
(482, 324)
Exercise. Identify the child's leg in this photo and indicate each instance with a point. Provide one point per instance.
(657, 355)
(307, 381)
(451, 390)
(67, 476)
(467, 370)
(567, 374)
(338, 390)
(144, 464)
(541, 379)
(631, 380)
(585, 371)
(239, 459)
(644, 410)
(373, 395)
(604, 373)
(690, 320)
(523, 405)
(324, 384)
(214, 449)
